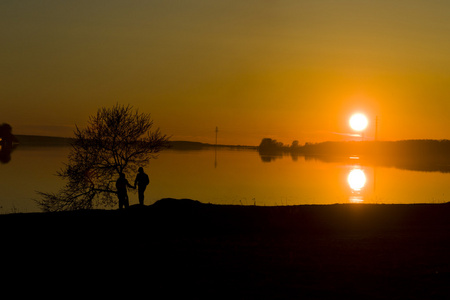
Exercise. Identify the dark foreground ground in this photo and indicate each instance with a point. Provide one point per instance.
(182, 248)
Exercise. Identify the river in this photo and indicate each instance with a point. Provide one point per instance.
(238, 177)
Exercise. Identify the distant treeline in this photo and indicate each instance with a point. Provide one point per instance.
(49, 141)
(410, 148)
(416, 148)
(424, 155)
(184, 145)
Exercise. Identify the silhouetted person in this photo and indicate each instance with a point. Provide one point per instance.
(6, 142)
(121, 185)
(141, 181)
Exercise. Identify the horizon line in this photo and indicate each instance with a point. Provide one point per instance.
(242, 145)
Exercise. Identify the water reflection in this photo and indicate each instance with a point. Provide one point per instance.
(5, 153)
(240, 177)
(7, 143)
(356, 180)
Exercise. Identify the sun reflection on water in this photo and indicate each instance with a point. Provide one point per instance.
(356, 180)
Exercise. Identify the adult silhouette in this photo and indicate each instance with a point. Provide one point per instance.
(121, 185)
(141, 181)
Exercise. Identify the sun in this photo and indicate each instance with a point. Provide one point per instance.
(358, 122)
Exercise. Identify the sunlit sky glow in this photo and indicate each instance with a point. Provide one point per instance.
(280, 69)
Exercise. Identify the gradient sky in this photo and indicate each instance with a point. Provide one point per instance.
(283, 69)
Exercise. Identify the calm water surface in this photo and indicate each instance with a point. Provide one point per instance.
(233, 177)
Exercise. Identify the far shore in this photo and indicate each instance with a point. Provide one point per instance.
(187, 248)
(418, 155)
(52, 141)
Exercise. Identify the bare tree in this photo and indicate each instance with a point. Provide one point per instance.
(117, 139)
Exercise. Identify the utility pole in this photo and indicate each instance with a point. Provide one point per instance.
(215, 149)
(217, 130)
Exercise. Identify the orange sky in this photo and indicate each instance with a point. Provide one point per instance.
(281, 69)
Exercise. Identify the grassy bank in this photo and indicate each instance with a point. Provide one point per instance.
(185, 248)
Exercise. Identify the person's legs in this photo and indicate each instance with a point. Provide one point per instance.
(120, 201)
(141, 195)
(126, 202)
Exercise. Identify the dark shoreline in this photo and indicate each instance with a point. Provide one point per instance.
(52, 141)
(186, 248)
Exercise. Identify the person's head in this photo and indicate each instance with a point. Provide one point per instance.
(121, 175)
(141, 170)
